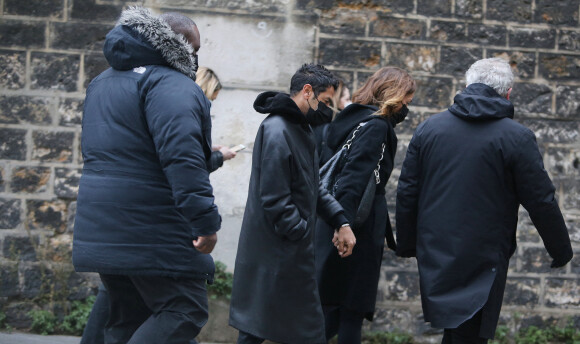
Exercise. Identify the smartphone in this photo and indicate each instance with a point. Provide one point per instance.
(238, 148)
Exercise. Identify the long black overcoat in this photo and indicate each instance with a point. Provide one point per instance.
(352, 282)
(275, 292)
(466, 172)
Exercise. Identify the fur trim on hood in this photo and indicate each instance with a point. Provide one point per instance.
(173, 46)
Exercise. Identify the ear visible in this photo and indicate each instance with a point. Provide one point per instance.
(307, 91)
(508, 94)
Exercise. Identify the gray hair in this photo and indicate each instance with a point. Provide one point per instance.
(493, 72)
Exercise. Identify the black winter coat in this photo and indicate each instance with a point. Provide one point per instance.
(215, 161)
(466, 172)
(352, 282)
(275, 293)
(145, 193)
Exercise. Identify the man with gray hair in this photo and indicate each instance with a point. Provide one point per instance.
(466, 172)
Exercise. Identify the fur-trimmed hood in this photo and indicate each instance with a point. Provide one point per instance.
(140, 39)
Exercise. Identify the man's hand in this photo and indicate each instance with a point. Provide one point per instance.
(227, 153)
(205, 244)
(344, 240)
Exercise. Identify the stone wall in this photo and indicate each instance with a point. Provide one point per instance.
(50, 50)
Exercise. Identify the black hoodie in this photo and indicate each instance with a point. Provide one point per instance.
(466, 172)
(275, 293)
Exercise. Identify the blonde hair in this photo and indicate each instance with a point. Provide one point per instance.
(386, 89)
(208, 81)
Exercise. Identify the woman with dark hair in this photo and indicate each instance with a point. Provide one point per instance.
(348, 286)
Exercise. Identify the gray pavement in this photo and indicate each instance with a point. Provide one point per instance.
(27, 338)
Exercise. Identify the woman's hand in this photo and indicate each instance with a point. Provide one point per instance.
(344, 241)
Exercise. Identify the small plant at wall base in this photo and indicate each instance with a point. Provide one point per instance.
(502, 334)
(74, 322)
(535, 335)
(222, 284)
(45, 322)
(395, 337)
(2, 320)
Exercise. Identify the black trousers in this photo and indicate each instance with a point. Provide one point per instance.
(94, 332)
(154, 309)
(466, 333)
(246, 338)
(344, 322)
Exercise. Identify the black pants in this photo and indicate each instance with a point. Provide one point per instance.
(154, 309)
(346, 323)
(466, 333)
(94, 332)
(246, 338)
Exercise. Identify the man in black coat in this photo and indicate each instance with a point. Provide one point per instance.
(275, 295)
(146, 219)
(466, 172)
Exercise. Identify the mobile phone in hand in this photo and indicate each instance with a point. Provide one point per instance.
(238, 148)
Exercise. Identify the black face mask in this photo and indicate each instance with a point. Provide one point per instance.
(320, 116)
(399, 116)
(195, 62)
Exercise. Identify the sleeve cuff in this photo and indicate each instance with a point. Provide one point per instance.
(207, 225)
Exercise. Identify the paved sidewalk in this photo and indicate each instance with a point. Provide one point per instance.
(27, 338)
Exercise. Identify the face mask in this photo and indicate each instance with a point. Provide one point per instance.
(400, 116)
(195, 62)
(320, 116)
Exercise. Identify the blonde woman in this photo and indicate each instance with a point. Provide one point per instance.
(348, 286)
(211, 86)
(209, 82)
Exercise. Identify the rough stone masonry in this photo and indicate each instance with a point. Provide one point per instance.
(51, 49)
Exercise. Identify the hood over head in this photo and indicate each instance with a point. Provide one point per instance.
(479, 102)
(140, 39)
(279, 103)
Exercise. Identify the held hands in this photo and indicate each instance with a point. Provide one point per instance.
(344, 241)
(205, 244)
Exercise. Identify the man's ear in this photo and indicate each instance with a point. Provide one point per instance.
(307, 91)
(508, 94)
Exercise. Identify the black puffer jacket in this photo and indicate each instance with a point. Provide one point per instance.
(466, 172)
(275, 293)
(145, 193)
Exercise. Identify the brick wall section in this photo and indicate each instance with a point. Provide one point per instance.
(50, 50)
